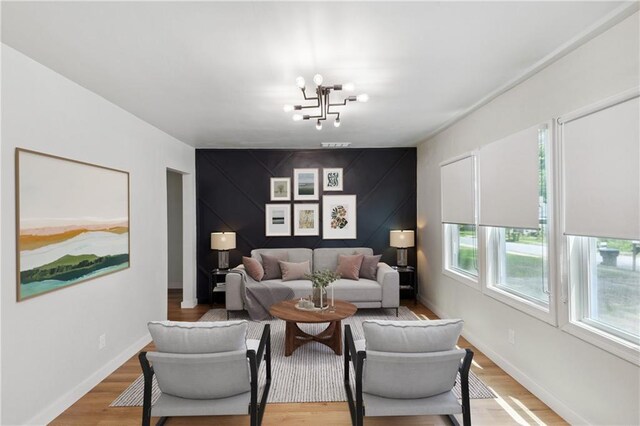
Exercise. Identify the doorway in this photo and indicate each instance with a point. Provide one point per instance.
(174, 236)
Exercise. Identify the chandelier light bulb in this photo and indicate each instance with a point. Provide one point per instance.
(300, 82)
(287, 108)
(336, 123)
(318, 125)
(317, 79)
(297, 117)
(350, 87)
(362, 98)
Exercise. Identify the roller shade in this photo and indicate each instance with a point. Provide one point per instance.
(457, 185)
(508, 171)
(601, 156)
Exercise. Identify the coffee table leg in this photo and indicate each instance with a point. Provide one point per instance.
(290, 338)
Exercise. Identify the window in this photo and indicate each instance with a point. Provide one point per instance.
(601, 194)
(462, 249)
(518, 258)
(605, 276)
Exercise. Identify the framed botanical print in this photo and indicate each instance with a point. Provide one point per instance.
(306, 218)
(280, 189)
(305, 184)
(339, 217)
(277, 220)
(332, 179)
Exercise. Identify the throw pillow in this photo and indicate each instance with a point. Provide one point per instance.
(369, 268)
(294, 271)
(271, 265)
(349, 266)
(253, 268)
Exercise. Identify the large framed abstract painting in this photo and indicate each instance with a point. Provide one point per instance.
(72, 222)
(339, 217)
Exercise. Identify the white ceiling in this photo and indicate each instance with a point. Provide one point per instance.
(217, 74)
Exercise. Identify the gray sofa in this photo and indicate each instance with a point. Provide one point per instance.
(384, 292)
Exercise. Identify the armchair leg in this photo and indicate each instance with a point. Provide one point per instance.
(453, 420)
(147, 372)
(161, 421)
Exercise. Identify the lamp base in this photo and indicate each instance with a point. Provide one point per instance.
(401, 259)
(223, 259)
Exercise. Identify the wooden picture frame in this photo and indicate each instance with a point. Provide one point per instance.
(277, 220)
(306, 219)
(305, 184)
(339, 217)
(280, 188)
(72, 222)
(332, 179)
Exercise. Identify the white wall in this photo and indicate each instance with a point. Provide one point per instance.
(174, 228)
(50, 353)
(580, 381)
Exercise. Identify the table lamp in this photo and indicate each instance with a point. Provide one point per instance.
(223, 242)
(401, 240)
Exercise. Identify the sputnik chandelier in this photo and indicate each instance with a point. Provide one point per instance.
(323, 103)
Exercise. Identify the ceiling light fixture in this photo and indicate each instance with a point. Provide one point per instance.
(323, 102)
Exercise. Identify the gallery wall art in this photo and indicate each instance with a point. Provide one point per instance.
(72, 222)
(306, 219)
(332, 179)
(277, 220)
(305, 184)
(280, 189)
(339, 214)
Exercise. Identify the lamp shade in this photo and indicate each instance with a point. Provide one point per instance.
(402, 239)
(223, 240)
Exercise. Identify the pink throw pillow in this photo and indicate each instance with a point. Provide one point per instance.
(294, 271)
(253, 268)
(349, 266)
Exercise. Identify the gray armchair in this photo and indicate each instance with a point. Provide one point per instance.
(407, 368)
(205, 369)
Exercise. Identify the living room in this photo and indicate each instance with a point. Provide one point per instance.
(374, 163)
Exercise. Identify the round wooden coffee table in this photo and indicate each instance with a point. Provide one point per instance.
(294, 337)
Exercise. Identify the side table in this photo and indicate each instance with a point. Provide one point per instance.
(408, 280)
(217, 282)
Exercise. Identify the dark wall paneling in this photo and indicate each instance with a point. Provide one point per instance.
(233, 188)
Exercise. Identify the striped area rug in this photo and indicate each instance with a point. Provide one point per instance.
(313, 373)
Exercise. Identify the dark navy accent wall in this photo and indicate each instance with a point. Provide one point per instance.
(233, 188)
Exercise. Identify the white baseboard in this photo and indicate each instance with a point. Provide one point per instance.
(189, 304)
(61, 404)
(539, 391)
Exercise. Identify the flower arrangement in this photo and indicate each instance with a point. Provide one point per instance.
(321, 279)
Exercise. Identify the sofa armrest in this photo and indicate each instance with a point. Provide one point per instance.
(234, 300)
(389, 279)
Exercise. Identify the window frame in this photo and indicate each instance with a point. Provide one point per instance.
(571, 298)
(456, 273)
(549, 312)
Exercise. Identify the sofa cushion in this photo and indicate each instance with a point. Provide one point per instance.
(349, 266)
(198, 337)
(294, 271)
(369, 267)
(253, 268)
(327, 258)
(412, 336)
(363, 290)
(293, 254)
(271, 265)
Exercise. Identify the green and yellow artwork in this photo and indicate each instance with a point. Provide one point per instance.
(73, 222)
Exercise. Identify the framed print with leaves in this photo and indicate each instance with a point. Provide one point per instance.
(339, 217)
(305, 184)
(332, 179)
(306, 219)
(280, 189)
(277, 220)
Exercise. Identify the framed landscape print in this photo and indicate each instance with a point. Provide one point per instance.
(280, 189)
(339, 217)
(278, 220)
(332, 179)
(306, 218)
(72, 222)
(305, 184)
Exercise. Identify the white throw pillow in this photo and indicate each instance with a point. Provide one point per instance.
(411, 336)
(199, 337)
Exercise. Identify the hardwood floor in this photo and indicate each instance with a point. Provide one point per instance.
(514, 405)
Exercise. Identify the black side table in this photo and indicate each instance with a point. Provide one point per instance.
(216, 277)
(408, 280)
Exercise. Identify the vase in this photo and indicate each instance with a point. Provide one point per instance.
(317, 291)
